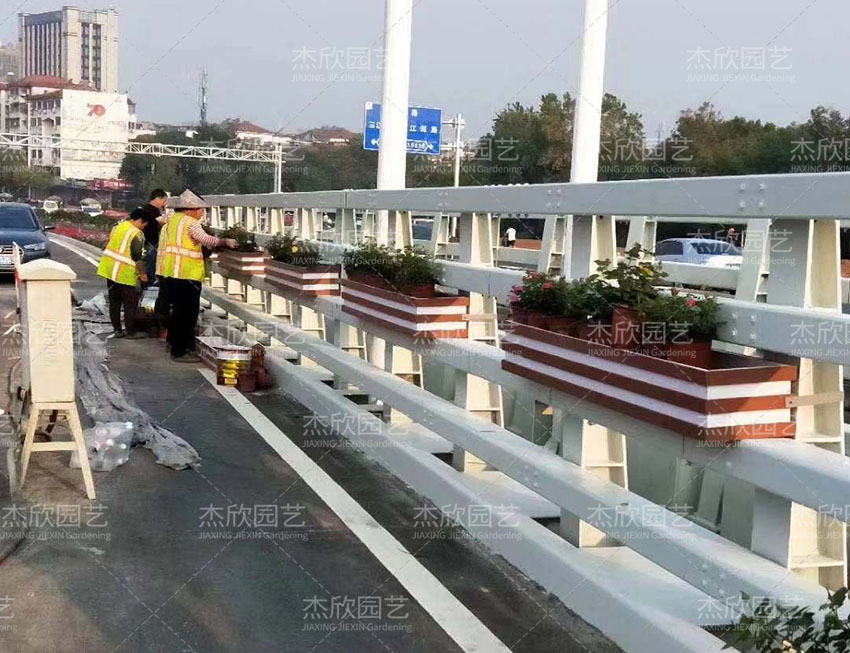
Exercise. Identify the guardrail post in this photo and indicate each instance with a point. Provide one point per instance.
(555, 246)
(476, 395)
(642, 231)
(752, 277)
(401, 229)
(805, 272)
(440, 236)
(345, 227)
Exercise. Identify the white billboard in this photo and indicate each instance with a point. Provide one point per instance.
(93, 116)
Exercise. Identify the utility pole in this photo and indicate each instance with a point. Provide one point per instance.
(458, 124)
(392, 150)
(203, 98)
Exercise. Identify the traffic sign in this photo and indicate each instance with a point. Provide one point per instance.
(424, 129)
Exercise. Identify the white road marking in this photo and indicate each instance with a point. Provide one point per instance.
(450, 614)
(78, 252)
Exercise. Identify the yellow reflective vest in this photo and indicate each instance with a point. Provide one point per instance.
(116, 262)
(179, 256)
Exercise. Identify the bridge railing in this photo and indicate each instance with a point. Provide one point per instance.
(757, 508)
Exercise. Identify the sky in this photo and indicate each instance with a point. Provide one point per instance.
(290, 65)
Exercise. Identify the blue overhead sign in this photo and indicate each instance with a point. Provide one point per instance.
(424, 129)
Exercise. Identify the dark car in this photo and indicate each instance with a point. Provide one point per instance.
(20, 224)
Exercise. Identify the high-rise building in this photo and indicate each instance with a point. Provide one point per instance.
(73, 44)
(8, 62)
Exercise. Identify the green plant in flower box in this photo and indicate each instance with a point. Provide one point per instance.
(537, 293)
(245, 241)
(412, 266)
(632, 280)
(285, 249)
(370, 258)
(685, 317)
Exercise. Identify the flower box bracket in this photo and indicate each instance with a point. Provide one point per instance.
(814, 400)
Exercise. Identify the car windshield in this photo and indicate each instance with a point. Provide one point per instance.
(715, 248)
(17, 217)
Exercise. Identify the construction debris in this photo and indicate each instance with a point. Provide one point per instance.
(105, 399)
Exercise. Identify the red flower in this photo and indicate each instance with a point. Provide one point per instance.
(692, 302)
(547, 285)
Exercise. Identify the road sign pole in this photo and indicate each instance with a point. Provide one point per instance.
(392, 152)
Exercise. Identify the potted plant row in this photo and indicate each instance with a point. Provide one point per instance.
(296, 266)
(397, 290)
(616, 339)
(246, 258)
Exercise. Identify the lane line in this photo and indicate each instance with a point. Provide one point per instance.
(62, 243)
(448, 612)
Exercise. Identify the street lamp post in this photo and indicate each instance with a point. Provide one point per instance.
(392, 149)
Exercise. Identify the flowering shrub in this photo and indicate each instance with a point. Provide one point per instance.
(245, 241)
(91, 236)
(688, 317)
(285, 249)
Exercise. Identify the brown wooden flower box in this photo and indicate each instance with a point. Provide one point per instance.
(443, 316)
(319, 280)
(736, 398)
(243, 263)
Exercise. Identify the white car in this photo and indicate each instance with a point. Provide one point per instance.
(91, 208)
(50, 206)
(699, 251)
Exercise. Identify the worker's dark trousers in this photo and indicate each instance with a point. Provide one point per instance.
(124, 296)
(185, 299)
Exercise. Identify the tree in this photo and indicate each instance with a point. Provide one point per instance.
(534, 144)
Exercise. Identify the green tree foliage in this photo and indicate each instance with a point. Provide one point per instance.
(534, 144)
(16, 178)
(203, 175)
(331, 167)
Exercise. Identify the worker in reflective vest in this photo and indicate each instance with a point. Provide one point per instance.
(180, 261)
(122, 265)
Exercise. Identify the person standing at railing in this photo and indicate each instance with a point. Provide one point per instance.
(181, 263)
(155, 209)
(123, 267)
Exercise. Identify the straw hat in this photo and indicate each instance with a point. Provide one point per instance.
(186, 200)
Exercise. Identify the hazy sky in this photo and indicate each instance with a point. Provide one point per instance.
(271, 61)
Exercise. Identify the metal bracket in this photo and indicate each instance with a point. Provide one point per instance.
(814, 400)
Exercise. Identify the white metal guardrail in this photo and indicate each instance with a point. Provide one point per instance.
(767, 486)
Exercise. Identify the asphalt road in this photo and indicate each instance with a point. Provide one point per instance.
(172, 561)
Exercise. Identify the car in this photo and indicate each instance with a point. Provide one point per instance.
(699, 251)
(91, 207)
(19, 224)
(52, 204)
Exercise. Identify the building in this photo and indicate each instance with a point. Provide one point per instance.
(73, 44)
(336, 136)
(9, 62)
(55, 107)
(251, 134)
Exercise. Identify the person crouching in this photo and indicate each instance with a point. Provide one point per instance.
(123, 266)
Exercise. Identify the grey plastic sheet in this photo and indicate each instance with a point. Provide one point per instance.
(106, 399)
